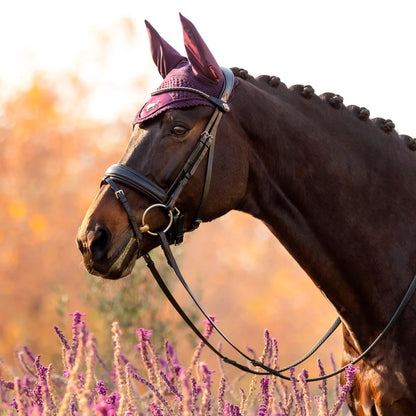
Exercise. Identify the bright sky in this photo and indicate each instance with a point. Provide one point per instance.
(362, 50)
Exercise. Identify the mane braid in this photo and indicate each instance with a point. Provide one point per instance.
(273, 85)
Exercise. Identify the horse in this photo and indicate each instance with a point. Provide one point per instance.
(334, 186)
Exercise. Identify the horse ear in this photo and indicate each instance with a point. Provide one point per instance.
(164, 56)
(202, 61)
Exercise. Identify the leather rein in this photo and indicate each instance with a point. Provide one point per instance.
(174, 231)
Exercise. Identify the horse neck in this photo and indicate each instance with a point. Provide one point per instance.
(338, 193)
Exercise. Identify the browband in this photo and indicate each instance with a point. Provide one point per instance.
(220, 103)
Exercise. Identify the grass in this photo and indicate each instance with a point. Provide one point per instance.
(158, 384)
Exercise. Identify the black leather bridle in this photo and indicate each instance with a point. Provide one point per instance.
(125, 175)
(174, 231)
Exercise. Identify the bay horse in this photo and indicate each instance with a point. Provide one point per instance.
(334, 186)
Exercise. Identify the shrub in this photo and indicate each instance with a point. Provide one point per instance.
(160, 385)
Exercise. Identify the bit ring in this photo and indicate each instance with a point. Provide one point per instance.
(145, 227)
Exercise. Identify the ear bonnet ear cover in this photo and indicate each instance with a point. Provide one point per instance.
(199, 71)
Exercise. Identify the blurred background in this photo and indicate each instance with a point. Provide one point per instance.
(72, 77)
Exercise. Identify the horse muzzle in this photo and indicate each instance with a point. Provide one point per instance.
(110, 245)
(104, 258)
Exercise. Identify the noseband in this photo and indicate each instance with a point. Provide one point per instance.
(122, 174)
(174, 231)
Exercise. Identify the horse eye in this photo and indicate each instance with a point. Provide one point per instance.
(179, 130)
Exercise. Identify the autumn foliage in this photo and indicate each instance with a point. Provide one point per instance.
(51, 161)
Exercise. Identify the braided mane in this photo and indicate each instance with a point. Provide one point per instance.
(273, 85)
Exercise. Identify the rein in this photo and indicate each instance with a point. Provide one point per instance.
(174, 231)
(267, 370)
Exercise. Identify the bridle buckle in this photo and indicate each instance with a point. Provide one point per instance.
(120, 194)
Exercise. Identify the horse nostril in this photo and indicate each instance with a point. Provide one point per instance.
(99, 242)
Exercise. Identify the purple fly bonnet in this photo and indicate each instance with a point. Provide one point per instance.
(199, 71)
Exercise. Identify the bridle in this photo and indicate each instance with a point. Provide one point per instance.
(125, 175)
(174, 231)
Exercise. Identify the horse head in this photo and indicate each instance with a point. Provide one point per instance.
(163, 173)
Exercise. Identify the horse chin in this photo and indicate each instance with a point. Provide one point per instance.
(123, 263)
(122, 259)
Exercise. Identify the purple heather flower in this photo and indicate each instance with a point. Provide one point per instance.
(163, 364)
(226, 411)
(22, 360)
(113, 398)
(170, 385)
(345, 389)
(231, 410)
(323, 387)
(172, 359)
(155, 410)
(145, 334)
(61, 336)
(148, 353)
(77, 317)
(221, 395)
(206, 373)
(196, 388)
(303, 378)
(26, 381)
(77, 333)
(101, 389)
(208, 326)
(42, 372)
(267, 353)
(29, 353)
(14, 404)
(8, 384)
(264, 386)
(275, 353)
(298, 394)
(189, 396)
(262, 410)
(206, 392)
(103, 408)
(135, 374)
(37, 396)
